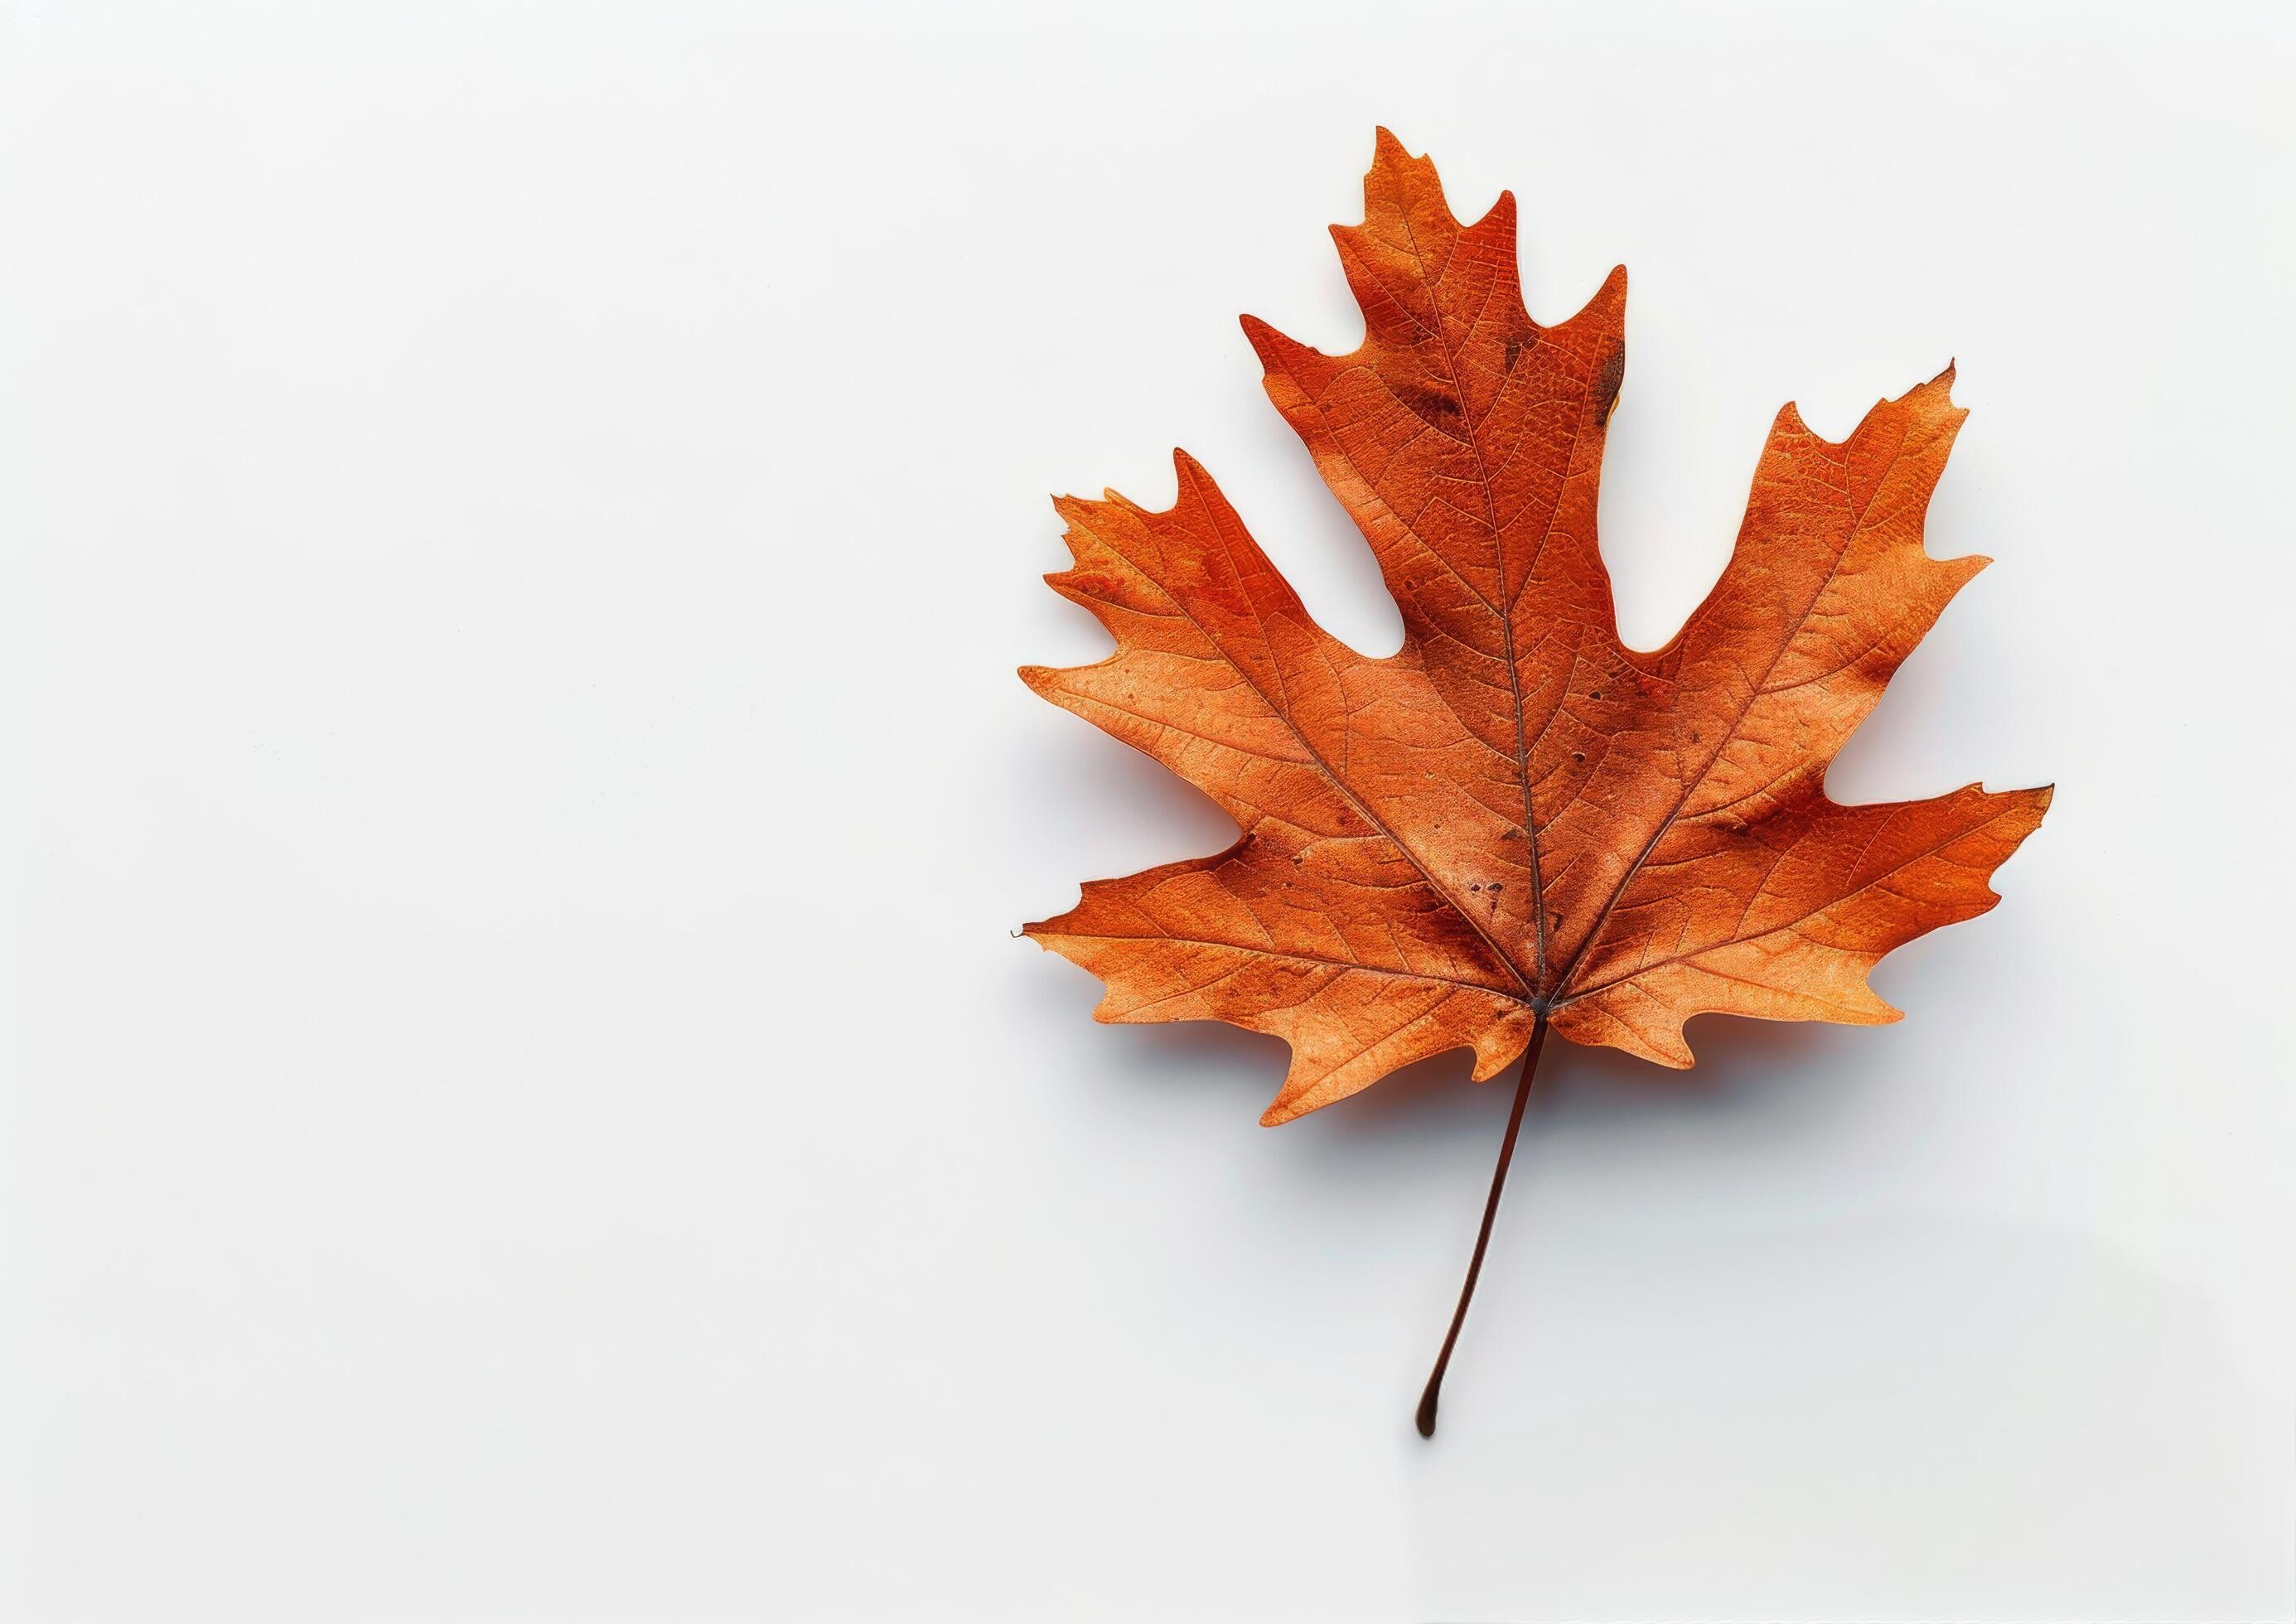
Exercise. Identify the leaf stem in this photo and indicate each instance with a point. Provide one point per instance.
(1428, 1399)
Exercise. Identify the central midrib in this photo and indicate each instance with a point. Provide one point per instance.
(1506, 608)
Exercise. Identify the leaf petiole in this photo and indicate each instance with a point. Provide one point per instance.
(1429, 1399)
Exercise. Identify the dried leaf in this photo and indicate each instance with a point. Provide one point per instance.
(1515, 821)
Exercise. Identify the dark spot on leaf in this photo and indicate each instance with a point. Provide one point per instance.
(1434, 407)
(1607, 379)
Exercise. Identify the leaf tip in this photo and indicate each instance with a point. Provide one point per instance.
(1605, 310)
(1938, 390)
(1276, 351)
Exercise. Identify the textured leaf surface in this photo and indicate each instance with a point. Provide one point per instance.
(1515, 815)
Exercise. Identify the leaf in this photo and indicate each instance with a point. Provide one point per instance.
(1514, 825)
(1516, 816)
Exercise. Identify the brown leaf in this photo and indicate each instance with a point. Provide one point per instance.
(1515, 817)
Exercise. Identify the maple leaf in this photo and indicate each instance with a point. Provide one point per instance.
(1515, 824)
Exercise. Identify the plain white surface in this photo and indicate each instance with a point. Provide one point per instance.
(520, 1101)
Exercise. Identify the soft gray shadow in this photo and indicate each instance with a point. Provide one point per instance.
(1742, 1065)
(1177, 1059)
(1431, 1107)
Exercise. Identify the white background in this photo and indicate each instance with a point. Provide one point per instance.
(520, 1102)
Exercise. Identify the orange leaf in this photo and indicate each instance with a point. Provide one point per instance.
(1516, 817)
(1516, 824)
